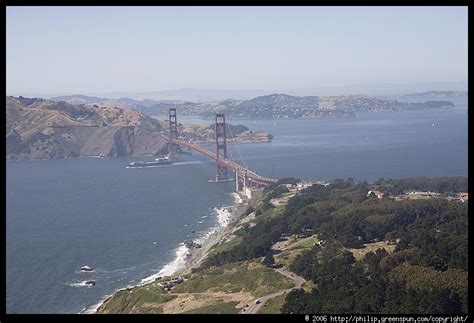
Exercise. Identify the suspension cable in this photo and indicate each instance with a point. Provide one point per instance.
(237, 148)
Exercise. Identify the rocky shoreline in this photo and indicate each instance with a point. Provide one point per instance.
(196, 255)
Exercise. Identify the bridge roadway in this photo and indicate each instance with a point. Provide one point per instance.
(233, 166)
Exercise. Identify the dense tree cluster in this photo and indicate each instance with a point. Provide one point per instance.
(447, 185)
(427, 272)
(345, 286)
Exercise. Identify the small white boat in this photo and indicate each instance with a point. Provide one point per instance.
(163, 159)
(86, 269)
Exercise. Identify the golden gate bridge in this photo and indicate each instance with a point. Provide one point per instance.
(244, 177)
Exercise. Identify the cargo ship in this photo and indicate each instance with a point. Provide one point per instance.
(158, 161)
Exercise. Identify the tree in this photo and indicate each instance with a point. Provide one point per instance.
(249, 210)
(269, 260)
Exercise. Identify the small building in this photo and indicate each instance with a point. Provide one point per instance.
(250, 192)
(303, 184)
(463, 197)
(305, 233)
(323, 183)
(177, 280)
(284, 237)
(173, 282)
(377, 194)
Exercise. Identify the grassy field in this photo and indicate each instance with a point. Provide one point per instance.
(372, 247)
(219, 308)
(308, 286)
(227, 245)
(251, 277)
(287, 256)
(140, 300)
(306, 243)
(274, 305)
(275, 212)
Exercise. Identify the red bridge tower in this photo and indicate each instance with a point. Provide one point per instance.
(221, 145)
(173, 130)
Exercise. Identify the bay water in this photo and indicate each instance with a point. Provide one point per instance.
(129, 224)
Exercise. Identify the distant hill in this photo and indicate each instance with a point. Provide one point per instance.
(79, 99)
(435, 94)
(278, 106)
(182, 95)
(457, 97)
(108, 102)
(197, 95)
(273, 106)
(46, 129)
(379, 88)
(235, 133)
(283, 106)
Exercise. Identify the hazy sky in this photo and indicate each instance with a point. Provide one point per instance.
(101, 49)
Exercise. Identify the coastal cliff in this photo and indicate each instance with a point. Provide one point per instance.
(46, 129)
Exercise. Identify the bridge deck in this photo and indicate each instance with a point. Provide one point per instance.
(233, 166)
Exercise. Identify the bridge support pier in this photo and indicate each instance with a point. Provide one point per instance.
(241, 181)
(237, 180)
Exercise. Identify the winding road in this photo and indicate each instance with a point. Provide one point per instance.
(253, 308)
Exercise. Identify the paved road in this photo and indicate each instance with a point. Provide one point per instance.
(281, 245)
(253, 308)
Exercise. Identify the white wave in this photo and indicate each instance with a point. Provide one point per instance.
(93, 308)
(223, 216)
(170, 268)
(79, 284)
(205, 236)
(237, 198)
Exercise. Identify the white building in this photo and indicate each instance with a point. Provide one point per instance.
(248, 192)
(378, 194)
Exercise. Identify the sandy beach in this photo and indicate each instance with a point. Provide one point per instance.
(189, 258)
